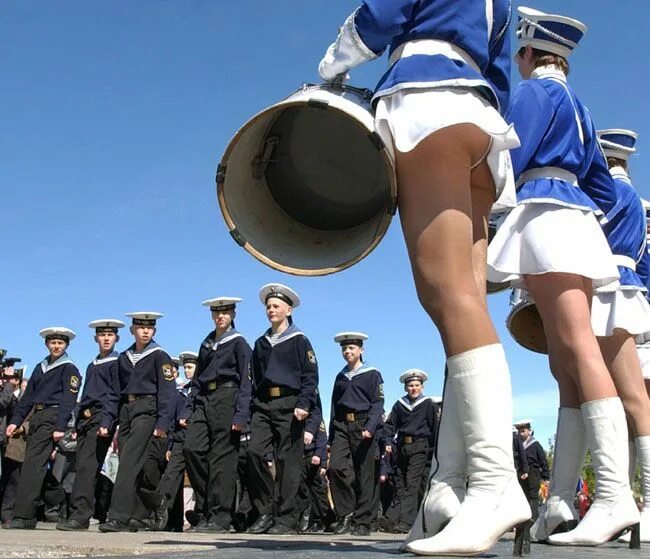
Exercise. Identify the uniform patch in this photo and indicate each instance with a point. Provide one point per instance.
(311, 357)
(381, 390)
(167, 371)
(74, 382)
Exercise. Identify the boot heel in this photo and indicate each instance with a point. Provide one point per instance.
(521, 547)
(635, 536)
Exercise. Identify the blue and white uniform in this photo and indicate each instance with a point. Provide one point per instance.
(643, 271)
(563, 181)
(449, 64)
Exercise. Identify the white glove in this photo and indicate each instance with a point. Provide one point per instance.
(347, 52)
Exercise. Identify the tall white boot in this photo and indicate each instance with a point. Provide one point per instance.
(448, 476)
(613, 508)
(568, 460)
(494, 501)
(642, 445)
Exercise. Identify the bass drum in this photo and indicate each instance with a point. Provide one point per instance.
(524, 322)
(307, 186)
(491, 287)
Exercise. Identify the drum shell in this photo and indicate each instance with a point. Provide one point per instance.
(265, 228)
(490, 287)
(525, 323)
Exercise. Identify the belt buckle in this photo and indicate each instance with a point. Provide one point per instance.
(131, 398)
(40, 407)
(350, 416)
(87, 413)
(407, 439)
(212, 385)
(274, 391)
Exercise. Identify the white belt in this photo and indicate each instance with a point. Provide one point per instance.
(548, 173)
(431, 47)
(625, 261)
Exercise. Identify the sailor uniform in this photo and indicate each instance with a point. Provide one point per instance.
(148, 395)
(285, 376)
(414, 424)
(221, 395)
(443, 70)
(98, 408)
(357, 406)
(51, 393)
(537, 471)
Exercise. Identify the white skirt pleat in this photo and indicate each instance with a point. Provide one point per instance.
(625, 309)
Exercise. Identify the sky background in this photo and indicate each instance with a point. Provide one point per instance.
(113, 118)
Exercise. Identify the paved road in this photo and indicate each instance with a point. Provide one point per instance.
(46, 542)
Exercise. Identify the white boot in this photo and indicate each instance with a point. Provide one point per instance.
(494, 502)
(642, 445)
(448, 477)
(568, 460)
(613, 508)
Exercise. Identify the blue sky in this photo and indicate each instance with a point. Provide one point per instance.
(114, 117)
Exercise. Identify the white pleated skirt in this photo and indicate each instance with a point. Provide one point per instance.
(644, 358)
(405, 118)
(538, 238)
(625, 309)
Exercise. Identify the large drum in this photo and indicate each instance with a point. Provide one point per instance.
(307, 186)
(524, 322)
(492, 287)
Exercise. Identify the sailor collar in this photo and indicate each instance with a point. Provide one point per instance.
(291, 332)
(550, 71)
(619, 173)
(352, 374)
(110, 357)
(411, 405)
(151, 348)
(529, 441)
(46, 367)
(213, 341)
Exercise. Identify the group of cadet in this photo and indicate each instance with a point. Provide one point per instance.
(247, 428)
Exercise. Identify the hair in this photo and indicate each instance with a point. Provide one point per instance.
(617, 162)
(544, 58)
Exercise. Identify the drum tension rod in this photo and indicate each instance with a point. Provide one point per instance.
(260, 162)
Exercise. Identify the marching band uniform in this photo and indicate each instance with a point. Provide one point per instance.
(221, 394)
(148, 395)
(97, 409)
(643, 271)
(51, 393)
(414, 423)
(285, 378)
(357, 406)
(563, 181)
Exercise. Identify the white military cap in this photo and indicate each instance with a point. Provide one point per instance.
(279, 291)
(144, 318)
(221, 303)
(523, 423)
(58, 333)
(413, 374)
(549, 32)
(617, 142)
(356, 338)
(188, 357)
(106, 324)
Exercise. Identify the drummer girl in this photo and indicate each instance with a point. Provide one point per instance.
(553, 245)
(438, 106)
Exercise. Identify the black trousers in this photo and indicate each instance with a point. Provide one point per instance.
(530, 486)
(9, 483)
(414, 462)
(37, 455)
(91, 451)
(312, 493)
(138, 448)
(171, 483)
(352, 471)
(211, 452)
(275, 431)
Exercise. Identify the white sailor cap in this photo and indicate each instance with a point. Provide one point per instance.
(106, 325)
(188, 357)
(144, 318)
(413, 374)
(58, 333)
(222, 303)
(279, 291)
(355, 338)
(617, 142)
(523, 423)
(549, 32)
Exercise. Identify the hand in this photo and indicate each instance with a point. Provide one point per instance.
(523, 476)
(382, 479)
(307, 438)
(300, 415)
(322, 472)
(102, 432)
(159, 433)
(168, 455)
(236, 427)
(57, 436)
(389, 449)
(182, 423)
(315, 460)
(545, 482)
(10, 429)
(366, 434)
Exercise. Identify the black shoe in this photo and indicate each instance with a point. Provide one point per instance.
(20, 524)
(361, 530)
(161, 514)
(115, 526)
(400, 528)
(193, 517)
(72, 525)
(317, 528)
(303, 524)
(386, 525)
(344, 524)
(281, 530)
(213, 528)
(239, 522)
(262, 524)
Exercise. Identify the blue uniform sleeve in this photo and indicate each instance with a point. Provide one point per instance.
(376, 410)
(531, 111)
(308, 376)
(379, 21)
(315, 418)
(70, 385)
(111, 401)
(335, 397)
(598, 182)
(498, 70)
(165, 393)
(390, 428)
(26, 403)
(543, 462)
(243, 355)
(320, 444)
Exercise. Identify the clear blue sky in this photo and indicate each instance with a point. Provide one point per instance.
(114, 116)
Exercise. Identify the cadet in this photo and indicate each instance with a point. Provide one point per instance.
(537, 465)
(221, 392)
(51, 393)
(96, 422)
(356, 413)
(148, 395)
(285, 385)
(413, 421)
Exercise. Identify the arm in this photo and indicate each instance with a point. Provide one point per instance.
(25, 404)
(377, 403)
(389, 430)
(543, 463)
(498, 70)
(111, 399)
(598, 183)
(308, 376)
(243, 355)
(314, 419)
(165, 393)
(70, 385)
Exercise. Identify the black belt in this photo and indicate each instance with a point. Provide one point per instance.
(351, 415)
(279, 391)
(39, 407)
(409, 439)
(216, 385)
(134, 397)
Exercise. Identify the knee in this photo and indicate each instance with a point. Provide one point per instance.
(444, 302)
